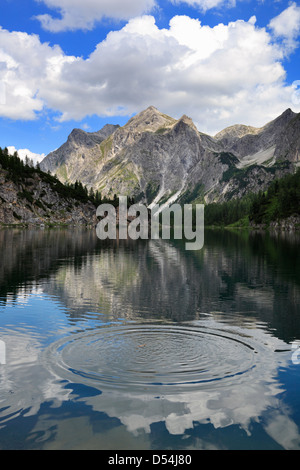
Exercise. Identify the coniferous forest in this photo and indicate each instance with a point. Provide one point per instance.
(19, 170)
(279, 201)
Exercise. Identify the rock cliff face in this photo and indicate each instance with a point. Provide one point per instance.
(76, 158)
(36, 202)
(158, 159)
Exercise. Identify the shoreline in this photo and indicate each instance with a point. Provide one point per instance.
(289, 224)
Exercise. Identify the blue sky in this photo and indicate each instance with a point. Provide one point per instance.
(68, 63)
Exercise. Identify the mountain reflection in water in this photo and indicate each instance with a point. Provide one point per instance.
(142, 344)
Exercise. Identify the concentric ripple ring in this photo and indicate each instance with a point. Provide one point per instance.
(148, 356)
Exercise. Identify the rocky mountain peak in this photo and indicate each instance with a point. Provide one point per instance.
(79, 137)
(186, 120)
(76, 134)
(288, 113)
(155, 157)
(236, 131)
(281, 121)
(149, 120)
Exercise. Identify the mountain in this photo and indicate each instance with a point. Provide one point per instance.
(75, 155)
(256, 145)
(158, 159)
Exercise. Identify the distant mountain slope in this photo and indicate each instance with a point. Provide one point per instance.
(158, 159)
(251, 144)
(74, 158)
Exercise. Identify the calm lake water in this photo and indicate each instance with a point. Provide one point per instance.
(144, 345)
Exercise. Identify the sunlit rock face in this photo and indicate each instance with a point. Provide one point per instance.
(158, 159)
(34, 201)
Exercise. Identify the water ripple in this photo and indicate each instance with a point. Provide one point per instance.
(147, 356)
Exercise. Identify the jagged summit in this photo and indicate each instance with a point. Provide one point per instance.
(152, 109)
(155, 157)
(151, 119)
(289, 113)
(237, 131)
(187, 121)
(79, 143)
(281, 120)
(78, 137)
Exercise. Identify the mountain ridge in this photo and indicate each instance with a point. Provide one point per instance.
(157, 159)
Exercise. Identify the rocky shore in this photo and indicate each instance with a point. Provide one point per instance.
(289, 224)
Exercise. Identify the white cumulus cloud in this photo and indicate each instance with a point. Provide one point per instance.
(23, 153)
(221, 75)
(76, 14)
(287, 26)
(205, 5)
(218, 75)
(26, 65)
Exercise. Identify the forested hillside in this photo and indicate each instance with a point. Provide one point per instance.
(280, 201)
(31, 196)
(18, 171)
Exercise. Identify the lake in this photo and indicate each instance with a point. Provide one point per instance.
(119, 345)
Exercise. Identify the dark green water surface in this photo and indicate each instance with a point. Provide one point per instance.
(144, 345)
